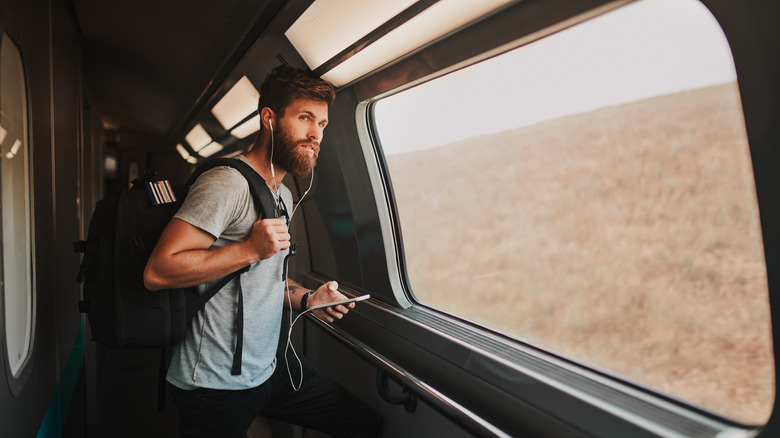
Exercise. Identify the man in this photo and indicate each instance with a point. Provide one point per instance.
(216, 232)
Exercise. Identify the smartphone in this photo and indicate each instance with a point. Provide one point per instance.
(336, 303)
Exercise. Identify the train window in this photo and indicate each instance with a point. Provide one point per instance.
(591, 193)
(17, 272)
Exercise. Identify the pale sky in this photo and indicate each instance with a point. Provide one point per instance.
(645, 49)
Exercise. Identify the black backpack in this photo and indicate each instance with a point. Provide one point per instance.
(123, 230)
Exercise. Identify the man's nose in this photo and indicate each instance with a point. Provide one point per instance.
(315, 133)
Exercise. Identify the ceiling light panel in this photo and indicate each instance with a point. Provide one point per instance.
(329, 26)
(210, 150)
(182, 151)
(440, 19)
(198, 138)
(247, 128)
(236, 104)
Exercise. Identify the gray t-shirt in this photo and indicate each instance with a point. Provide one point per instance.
(220, 203)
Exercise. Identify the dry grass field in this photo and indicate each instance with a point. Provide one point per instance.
(626, 238)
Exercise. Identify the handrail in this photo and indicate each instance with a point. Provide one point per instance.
(445, 405)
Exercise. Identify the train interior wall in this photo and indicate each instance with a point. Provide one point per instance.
(53, 375)
(68, 144)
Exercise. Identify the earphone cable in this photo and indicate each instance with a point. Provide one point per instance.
(289, 344)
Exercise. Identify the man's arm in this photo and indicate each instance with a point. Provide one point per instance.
(327, 293)
(183, 258)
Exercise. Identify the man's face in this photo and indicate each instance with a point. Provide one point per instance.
(298, 134)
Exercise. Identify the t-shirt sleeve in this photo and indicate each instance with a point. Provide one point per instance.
(217, 199)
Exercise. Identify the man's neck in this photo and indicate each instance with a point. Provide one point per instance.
(258, 156)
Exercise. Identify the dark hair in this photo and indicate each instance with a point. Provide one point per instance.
(285, 84)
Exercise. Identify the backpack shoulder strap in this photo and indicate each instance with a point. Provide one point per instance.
(266, 205)
(261, 193)
(264, 202)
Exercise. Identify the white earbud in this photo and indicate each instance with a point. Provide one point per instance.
(271, 124)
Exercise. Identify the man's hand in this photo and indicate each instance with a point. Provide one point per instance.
(269, 236)
(328, 293)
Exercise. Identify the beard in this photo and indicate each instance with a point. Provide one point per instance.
(289, 155)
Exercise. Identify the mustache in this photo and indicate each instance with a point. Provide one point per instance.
(315, 144)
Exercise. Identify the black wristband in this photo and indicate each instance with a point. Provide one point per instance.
(304, 299)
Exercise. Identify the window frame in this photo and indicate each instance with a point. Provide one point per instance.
(17, 382)
(431, 329)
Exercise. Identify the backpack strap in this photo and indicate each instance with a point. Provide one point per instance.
(267, 208)
(261, 193)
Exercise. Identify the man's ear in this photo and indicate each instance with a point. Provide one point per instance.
(266, 117)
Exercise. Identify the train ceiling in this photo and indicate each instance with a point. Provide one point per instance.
(147, 62)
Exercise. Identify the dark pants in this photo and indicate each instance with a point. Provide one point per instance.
(320, 404)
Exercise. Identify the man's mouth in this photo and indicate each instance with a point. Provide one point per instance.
(309, 146)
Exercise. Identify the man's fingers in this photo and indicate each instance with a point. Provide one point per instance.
(335, 312)
(270, 236)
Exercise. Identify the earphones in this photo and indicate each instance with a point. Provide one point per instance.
(275, 188)
(288, 345)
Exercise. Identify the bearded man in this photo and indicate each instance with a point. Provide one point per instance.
(217, 231)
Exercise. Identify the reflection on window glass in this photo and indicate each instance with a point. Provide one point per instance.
(14, 177)
(592, 193)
